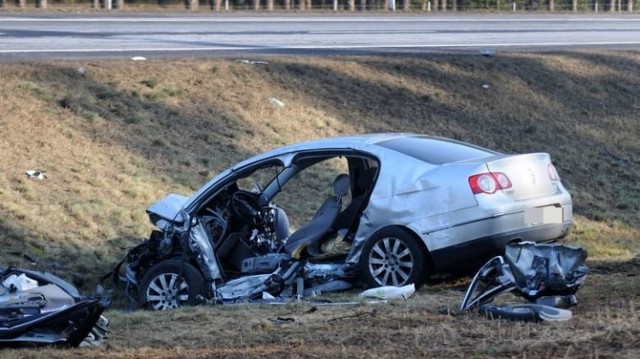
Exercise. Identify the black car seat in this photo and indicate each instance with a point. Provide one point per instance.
(363, 182)
(323, 220)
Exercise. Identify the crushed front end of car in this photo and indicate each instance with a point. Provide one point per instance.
(214, 258)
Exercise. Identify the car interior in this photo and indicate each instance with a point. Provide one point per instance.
(252, 234)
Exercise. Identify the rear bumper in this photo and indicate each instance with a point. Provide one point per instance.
(473, 243)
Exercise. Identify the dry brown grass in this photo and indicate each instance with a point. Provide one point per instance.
(125, 133)
(606, 324)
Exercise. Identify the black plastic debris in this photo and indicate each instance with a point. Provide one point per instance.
(547, 275)
(527, 312)
(546, 269)
(281, 320)
(488, 52)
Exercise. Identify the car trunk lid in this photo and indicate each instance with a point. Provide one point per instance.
(529, 175)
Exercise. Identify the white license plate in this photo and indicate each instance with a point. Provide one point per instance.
(543, 215)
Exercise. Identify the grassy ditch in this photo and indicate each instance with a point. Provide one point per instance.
(114, 136)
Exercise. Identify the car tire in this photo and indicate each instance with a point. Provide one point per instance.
(170, 284)
(393, 257)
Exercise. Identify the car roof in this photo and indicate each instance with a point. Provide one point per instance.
(360, 142)
(369, 143)
(340, 142)
(364, 142)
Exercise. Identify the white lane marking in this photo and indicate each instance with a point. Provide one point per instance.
(370, 32)
(316, 47)
(631, 18)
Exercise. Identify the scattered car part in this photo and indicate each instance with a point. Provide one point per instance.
(97, 334)
(282, 320)
(276, 102)
(488, 52)
(323, 272)
(546, 269)
(36, 174)
(558, 301)
(38, 308)
(252, 286)
(547, 274)
(491, 280)
(327, 287)
(252, 62)
(418, 205)
(390, 292)
(527, 312)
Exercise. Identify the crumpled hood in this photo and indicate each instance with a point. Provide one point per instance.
(167, 209)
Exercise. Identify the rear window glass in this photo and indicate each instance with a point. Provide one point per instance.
(436, 151)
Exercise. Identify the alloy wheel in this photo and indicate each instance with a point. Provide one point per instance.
(167, 291)
(391, 262)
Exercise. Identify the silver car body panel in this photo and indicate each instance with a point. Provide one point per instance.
(243, 287)
(438, 205)
(199, 241)
(166, 210)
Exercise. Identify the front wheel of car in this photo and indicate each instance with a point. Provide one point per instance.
(170, 284)
(392, 257)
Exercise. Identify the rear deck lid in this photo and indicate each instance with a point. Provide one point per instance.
(529, 175)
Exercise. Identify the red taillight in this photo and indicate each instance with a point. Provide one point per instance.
(489, 182)
(553, 174)
(502, 179)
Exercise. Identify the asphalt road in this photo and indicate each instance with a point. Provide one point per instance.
(107, 36)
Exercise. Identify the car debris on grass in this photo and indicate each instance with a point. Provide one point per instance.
(547, 275)
(276, 102)
(36, 174)
(39, 308)
(252, 62)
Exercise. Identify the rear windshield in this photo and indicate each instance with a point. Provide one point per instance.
(436, 151)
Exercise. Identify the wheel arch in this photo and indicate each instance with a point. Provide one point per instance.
(145, 265)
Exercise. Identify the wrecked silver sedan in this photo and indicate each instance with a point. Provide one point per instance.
(400, 207)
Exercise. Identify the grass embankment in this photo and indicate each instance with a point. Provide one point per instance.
(117, 135)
